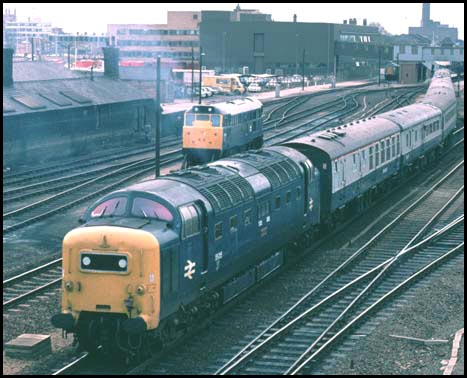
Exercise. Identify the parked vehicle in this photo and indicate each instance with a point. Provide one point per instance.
(254, 87)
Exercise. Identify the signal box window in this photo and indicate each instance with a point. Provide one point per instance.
(218, 231)
(110, 208)
(190, 220)
(147, 208)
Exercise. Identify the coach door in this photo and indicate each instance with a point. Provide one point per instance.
(307, 187)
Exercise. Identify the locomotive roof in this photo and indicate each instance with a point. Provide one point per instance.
(412, 114)
(232, 107)
(344, 139)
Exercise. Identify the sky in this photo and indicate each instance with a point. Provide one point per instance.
(94, 17)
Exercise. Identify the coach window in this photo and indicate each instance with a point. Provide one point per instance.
(398, 145)
(393, 144)
(388, 149)
(407, 140)
(288, 197)
(190, 220)
(376, 155)
(382, 152)
(247, 216)
(233, 223)
(218, 231)
(354, 158)
(299, 193)
(371, 158)
(215, 120)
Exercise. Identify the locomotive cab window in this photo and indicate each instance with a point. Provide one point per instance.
(215, 120)
(277, 203)
(247, 216)
(233, 223)
(112, 207)
(148, 208)
(189, 119)
(190, 220)
(218, 231)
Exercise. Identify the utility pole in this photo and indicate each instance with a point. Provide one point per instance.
(192, 72)
(379, 65)
(303, 70)
(158, 116)
(69, 59)
(200, 72)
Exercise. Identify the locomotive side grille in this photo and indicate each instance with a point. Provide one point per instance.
(280, 173)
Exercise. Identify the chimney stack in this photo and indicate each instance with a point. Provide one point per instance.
(425, 14)
(111, 58)
(7, 67)
(294, 18)
(364, 22)
(345, 22)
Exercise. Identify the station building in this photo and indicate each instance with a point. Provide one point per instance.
(259, 45)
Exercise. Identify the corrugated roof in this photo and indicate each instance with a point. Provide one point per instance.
(32, 71)
(67, 93)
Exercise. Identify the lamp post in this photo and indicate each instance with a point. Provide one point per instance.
(192, 71)
(201, 54)
(158, 116)
(303, 70)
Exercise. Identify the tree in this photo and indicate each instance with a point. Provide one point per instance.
(380, 27)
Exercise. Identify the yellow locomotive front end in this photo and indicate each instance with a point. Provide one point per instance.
(111, 286)
(202, 134)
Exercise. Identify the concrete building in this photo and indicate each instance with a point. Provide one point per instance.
(173, 41)
(433, 30)
(22, 35)
(277, 47)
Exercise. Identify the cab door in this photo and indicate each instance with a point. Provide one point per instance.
(194, 253)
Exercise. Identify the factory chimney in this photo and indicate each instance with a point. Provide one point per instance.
(425, 14)
(111, 58)
(7, 67)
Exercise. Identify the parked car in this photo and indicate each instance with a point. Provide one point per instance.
(254, 87)
(209, 91)
(204, 92)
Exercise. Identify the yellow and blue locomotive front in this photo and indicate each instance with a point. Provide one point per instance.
(111, 286)
(202, 134)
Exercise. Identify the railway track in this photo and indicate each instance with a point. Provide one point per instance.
(28, 284)
(368, 276)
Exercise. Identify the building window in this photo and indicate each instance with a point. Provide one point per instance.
(402, 49)
(414, 50)
(195, 17)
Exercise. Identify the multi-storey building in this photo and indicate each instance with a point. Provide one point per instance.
(21, 35)
(172, 41)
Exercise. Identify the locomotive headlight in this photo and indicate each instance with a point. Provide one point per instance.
(122, 263)
(86, 261)
(140, 290)
(69, 285)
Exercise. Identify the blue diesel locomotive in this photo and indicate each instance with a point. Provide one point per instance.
(157, 256)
